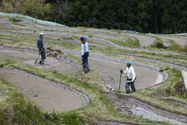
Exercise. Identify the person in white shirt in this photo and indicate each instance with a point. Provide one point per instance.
(84, 53)
(131, 77)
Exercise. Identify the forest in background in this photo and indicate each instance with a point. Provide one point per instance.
(155, 16)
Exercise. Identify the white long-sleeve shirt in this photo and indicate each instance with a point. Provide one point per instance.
(84, 48)
(130, 73)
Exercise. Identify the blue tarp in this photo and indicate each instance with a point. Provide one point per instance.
(129, 31)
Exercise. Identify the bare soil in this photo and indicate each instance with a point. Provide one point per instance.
(106, 67)
(178, 66)
(48, 94)
(110, 73)
(62, 64)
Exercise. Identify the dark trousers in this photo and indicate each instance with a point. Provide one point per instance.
(127, 86)
(85, 61)
(43, 55)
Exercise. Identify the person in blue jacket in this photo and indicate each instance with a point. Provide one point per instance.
(41, 48)
(84, 53)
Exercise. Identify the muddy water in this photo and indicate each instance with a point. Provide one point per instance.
(53, 64)
(128, 105)
(46, 95)
(50, 62)
(109, 71)
(17, 56)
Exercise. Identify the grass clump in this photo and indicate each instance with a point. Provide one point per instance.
(158, 43)
(129, 42)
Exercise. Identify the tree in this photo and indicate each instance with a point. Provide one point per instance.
(26, 7)
(143, 14)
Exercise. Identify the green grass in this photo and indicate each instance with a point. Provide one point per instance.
(158, 43)
(25, 42)
(129, 42)
(98, 107)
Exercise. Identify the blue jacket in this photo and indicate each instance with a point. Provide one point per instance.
(40, 44)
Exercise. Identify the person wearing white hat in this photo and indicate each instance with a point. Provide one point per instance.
(131, 77)
(41, 48)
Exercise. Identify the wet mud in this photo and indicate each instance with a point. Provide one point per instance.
(108, 69)
(178, 66)
(48, 94)
(110, 73)
(60, 64)
(131, 106)
(17, 56)
(178, 103)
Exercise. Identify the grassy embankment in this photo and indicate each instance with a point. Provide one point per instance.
(146, 96)
(22, 42)
(29, 41)
(174, 46)
(17, 109)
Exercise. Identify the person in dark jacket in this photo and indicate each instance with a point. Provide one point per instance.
(84, 54)
(41, 48)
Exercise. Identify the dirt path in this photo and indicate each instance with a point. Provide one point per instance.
(48, 94)
(129, 105)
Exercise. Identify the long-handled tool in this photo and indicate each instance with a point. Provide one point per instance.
(120, 80)
(39, 54)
